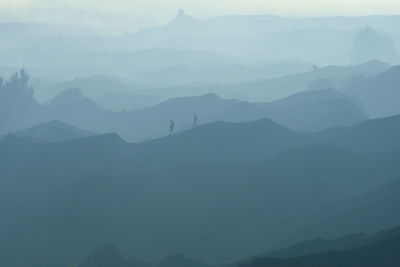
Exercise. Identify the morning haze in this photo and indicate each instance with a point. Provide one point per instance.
(199, 134)
(123, 15)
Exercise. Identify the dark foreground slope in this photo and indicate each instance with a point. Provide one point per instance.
(367, 212)
(308, 247)
(109, 256)
(352, 250)
(383, 252)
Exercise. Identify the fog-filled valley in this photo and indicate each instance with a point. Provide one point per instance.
(239, 140)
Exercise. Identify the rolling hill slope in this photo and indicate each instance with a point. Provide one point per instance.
(379, 253)
(253, 177)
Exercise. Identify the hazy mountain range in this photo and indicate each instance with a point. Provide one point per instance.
(308, 111)
(355, 250)
(228, 174)
(52, 131)
(223, 142)
(222, 49)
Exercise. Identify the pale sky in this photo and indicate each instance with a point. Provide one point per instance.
(133, 14)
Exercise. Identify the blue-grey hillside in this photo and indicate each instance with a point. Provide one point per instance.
(249, 141)
(307, 111)
(380, 93)
(355, 249)
(383, 251)
(337, 77)
(253, 177)
(110, 92)
(53, 131)
(354, 213)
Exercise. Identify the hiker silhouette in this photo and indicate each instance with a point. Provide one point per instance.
(171, 127)
(194, 120)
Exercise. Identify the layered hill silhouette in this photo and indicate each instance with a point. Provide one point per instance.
(323, 78)
(234, 142)
(310, 111)
(189, 41)
(379, 93)
(382, 252)
(254, 140)
(255, 177)
(274, 88)
(224, 142)
(215, 74)
(354, 213)
(111, 93)
(91, 85)
(308, 247)
(371, 135)
(53, 131)
(306, 111)
(352, 250)
(109, 256)
(235, 34)
(297, 112)
(320, 245)
(230, 142)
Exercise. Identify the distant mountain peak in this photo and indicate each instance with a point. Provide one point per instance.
(52, 123)
(68, 96)
(180, 13)
(182, 18)
(53, 131)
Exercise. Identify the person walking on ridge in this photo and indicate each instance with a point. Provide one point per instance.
(171, 127)
(194, 120)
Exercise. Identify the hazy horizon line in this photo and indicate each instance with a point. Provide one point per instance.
(124, 22)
